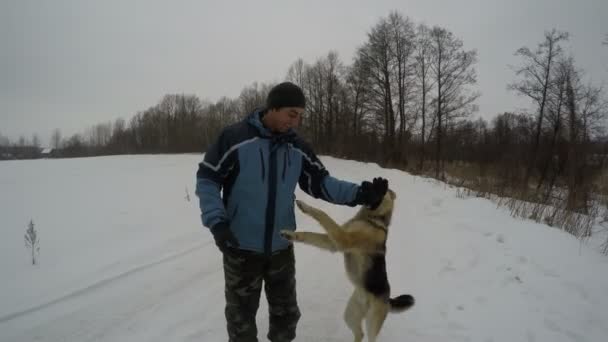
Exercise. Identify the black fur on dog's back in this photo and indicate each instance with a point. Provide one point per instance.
(376, 279)
(376, 283)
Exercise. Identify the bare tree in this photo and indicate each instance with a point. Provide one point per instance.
(375, 55)
(556, 102)
(593, 112)
(185, 122)
(4, 141)
(119, 142)
(313, 84)
(56, 138)
(402, 48)
(572, 81)
(536, 80)
(296, 72)
(322, 84)
(356, 83)
(253, 97)
(35, 140)
(32, 241)
(75, 146)
(332, 69)
(453, 70)
(423, 56)
(587, 112)
(99, 135)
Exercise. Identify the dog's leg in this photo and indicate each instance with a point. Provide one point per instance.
(354, 314)
(314, 239)
(331, 227)
(360, 240)
(319, 215)
(375, 318)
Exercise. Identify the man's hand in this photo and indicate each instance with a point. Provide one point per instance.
(223, 236)
(372, 193)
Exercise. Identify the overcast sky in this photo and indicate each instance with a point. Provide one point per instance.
(72, 64)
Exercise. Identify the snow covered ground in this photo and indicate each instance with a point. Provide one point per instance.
(123, 257)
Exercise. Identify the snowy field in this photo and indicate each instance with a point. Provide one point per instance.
(123, 257)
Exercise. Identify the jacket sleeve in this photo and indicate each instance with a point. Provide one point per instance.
(211, 177)
(316, 181)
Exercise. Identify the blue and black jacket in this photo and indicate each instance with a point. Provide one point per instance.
(248, 179)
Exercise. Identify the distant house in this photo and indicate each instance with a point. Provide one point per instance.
(47, 152)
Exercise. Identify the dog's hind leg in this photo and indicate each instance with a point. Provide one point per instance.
(354, 314)
(375, 318)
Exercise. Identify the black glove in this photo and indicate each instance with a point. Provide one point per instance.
(223, 236)
(371, 194)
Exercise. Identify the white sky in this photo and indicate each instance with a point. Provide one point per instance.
(72, 64)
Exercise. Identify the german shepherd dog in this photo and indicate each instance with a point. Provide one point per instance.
(362, 240)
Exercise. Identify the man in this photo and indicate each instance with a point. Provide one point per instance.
(256, 165)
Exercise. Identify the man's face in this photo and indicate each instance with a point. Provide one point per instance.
(280, 120)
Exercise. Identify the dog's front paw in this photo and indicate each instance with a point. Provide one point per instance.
(305, 208)
(288, 235)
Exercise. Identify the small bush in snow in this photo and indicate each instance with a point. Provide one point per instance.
(32, 241)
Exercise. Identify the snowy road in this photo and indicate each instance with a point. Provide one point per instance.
(142, 268)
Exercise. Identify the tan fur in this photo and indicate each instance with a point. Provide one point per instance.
(359, 239)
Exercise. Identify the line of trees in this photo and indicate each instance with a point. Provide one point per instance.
(22, 148)
(408, 87)
(408, 97)
(407, 100)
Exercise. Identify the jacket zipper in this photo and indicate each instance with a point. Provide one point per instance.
(284, 166)
(262, 162)
(270, 205)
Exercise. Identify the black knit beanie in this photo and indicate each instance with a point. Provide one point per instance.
(285, 94)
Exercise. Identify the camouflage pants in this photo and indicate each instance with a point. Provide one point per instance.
(244, 273)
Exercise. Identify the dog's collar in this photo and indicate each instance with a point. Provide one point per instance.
(377, 222)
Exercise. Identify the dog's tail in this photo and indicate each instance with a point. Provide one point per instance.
(401, 303)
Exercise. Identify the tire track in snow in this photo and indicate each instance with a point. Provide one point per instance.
(100, 284)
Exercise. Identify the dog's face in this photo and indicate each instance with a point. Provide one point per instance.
(384, 211)
(386, 207)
